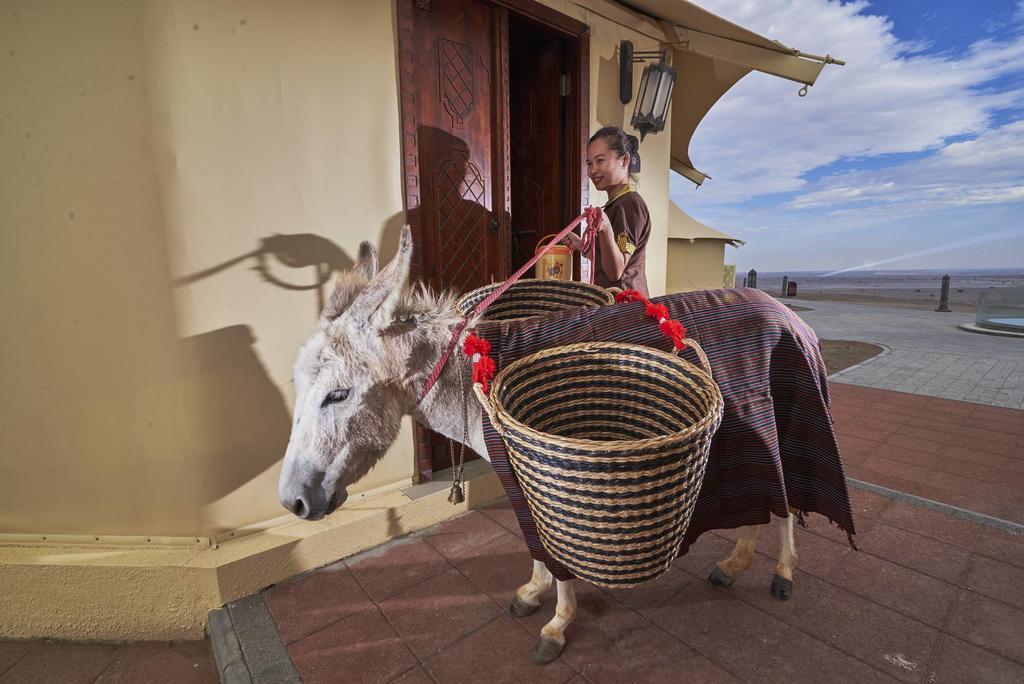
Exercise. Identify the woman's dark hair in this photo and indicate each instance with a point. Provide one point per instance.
(620, 142)
(617, 140)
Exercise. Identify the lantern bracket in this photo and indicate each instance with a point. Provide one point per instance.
(627, 58)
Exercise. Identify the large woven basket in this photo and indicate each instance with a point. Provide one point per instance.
(609, 442)
(529, 297)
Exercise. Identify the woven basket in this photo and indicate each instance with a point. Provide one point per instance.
(609, 443)
(530, 297)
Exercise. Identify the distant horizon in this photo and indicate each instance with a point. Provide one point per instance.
(959, 269)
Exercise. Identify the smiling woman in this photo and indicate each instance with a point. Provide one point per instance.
(621, 256)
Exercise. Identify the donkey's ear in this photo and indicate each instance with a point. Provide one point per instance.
(367, 262)
(347, 287)
(375, 305)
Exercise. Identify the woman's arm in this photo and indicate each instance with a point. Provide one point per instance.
(613, 261)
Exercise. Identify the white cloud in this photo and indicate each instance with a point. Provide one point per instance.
(761, 138)
(988, 168)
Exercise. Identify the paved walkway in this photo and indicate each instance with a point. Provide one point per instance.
(929, 597)
(926, 353)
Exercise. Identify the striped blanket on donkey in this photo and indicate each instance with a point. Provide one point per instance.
(775, 449)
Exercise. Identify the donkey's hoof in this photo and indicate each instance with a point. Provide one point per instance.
(782, 588)
(719, 578)
(521, 608)
(546, 650)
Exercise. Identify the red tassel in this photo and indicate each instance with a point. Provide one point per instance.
(483, 372)
(670, 328)
(476, 345)
(657, 311)
(675, 331)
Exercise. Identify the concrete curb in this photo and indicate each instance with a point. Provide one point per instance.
(886, 350)
(971, 327)
(955, 511)
(226, 651)
(247, 646)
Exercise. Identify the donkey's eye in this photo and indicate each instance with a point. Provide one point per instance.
(334, 397)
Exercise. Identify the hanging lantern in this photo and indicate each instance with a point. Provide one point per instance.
(653, 98)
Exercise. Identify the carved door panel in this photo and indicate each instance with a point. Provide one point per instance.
(461, 175)
(453, 118)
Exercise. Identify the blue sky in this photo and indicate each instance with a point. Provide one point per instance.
(912, 154)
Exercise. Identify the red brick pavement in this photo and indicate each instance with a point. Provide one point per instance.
(928, 598)
(966, 455)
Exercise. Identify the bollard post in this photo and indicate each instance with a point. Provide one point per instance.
(752, 278)
(785, 285)
(944, 297)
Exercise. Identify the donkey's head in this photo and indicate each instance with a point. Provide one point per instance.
(349, 399)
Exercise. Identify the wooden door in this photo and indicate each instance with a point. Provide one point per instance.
(452, 71)
(538, 85)
(454, 76)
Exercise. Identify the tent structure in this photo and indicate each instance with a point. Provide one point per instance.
(696, 253)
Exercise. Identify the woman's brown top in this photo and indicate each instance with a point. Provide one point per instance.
(631, 224)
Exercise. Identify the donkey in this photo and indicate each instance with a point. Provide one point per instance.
(364, 367)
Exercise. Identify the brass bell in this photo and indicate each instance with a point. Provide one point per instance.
(455, 497)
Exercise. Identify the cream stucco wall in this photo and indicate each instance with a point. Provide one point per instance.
(173, 171)
(695, 266)
(154, 154)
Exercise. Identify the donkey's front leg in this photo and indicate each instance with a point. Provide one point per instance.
(742, 556)
(552, 635)
(782, 582)
(527, 598)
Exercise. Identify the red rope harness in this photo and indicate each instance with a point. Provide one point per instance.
(484, 362)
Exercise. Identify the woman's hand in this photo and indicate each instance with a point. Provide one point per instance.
(605, 224)
(572, 240)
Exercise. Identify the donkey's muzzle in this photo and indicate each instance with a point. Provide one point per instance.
(299, 507)
(312, 503)
(305, 496)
